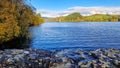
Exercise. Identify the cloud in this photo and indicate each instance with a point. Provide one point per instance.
(49, 13)
(85, 11)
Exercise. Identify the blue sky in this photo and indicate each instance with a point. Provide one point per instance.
(45, 7)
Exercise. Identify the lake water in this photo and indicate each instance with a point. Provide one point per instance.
(54, 36)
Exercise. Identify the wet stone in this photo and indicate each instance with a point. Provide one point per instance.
(26, 52)
(36, 58)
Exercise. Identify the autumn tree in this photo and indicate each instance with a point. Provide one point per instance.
(15, 18)
(37, 20)
(9, 28)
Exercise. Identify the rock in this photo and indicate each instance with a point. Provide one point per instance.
(69, 65)
(116, 62)
(84, 65)
(98, 54)
(8, 55)
(101, 60)
(7, 51)
(46, 62)
(64, 59)
(94, 54)
(18, 58)
(16, 51)
(94, 65)
(1, 52)
(63, 65)
(10, 61)
(26, 52)
(40, 60)
(80, 63)
(54, 65)
(31, 57)
(105, 66)
(40, 65)
(79, 52)
(56, 55)
(82, 57)
(111, 55)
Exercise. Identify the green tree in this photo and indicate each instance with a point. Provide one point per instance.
(76, 17)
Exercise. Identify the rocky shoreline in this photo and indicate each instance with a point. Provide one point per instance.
(36, 58)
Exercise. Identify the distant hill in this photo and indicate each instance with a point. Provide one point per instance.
(77, 17)
(48, 19)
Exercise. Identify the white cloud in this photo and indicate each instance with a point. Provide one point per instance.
(49, 13)
(85, 11)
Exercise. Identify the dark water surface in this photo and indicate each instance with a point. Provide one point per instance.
(53, 36)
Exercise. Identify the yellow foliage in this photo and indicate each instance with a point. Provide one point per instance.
(15, 18)
(38, 20)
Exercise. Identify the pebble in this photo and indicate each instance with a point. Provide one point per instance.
(36, 58)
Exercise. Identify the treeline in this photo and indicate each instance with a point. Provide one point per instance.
(77, 17)
(15, 18)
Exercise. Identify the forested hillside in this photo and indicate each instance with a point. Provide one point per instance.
(77, 17)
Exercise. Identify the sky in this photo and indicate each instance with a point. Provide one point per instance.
(56, 8)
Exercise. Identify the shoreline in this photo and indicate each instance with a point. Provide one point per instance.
(38, 58)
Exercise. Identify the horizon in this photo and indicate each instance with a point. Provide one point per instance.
(57, 8)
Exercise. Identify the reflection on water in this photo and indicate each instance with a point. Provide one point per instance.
(76, 35)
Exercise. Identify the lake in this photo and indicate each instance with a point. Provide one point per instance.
(84, 35)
